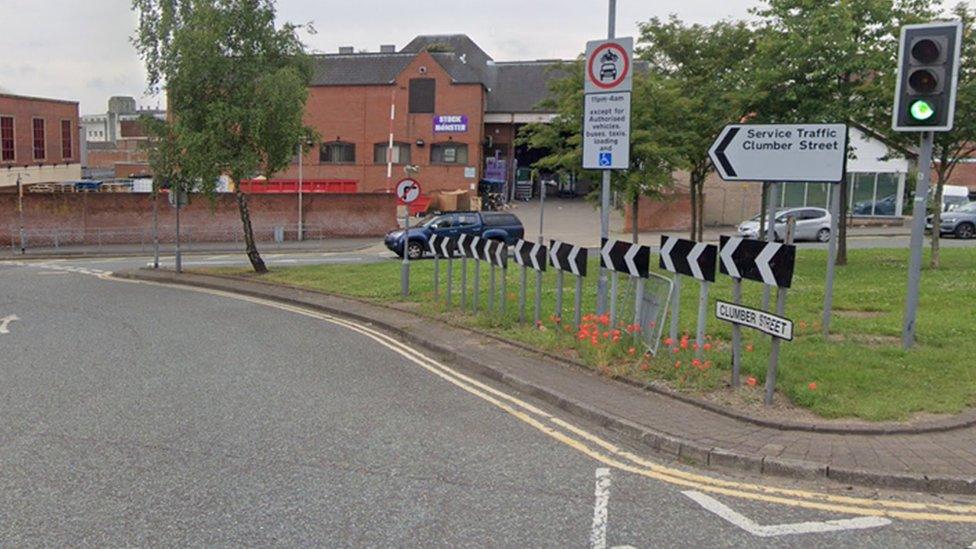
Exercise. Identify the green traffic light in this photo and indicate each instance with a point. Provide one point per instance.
(921, 110)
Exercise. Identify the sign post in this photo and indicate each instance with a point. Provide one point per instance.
(475, 248)
(567, 257)
(462, 249)
(407, 191)
(608, 82)
(697, 260)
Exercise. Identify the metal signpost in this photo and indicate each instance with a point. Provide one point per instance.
(178, 200)
(529, 256)
(407, 190)
(495, 252)
(537, 315)
(925, 101)
(770, 263)
(462, 243)
(474, 251)
(608, 82)
(694, 259)
(779, 154)
(566, 257)
(443, 247)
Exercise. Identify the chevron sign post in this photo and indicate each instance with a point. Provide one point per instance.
(694, 259)
(495, 252)
(631, 259)
(529, 255)
(472, 249)
(772, 264)
(443, 247)
(568, 258)
(462, 242)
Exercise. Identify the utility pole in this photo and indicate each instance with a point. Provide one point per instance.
(605, 186)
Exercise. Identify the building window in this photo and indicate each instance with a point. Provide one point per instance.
(337, 152)
(422, 92)
(7, 139)
(401, 153)
(38, 124)
(66, 139)
(449, 153)
(869, 194)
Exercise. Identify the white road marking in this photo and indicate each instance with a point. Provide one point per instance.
(53, 273)
(5, 323)
(598, 533)
(725, 512)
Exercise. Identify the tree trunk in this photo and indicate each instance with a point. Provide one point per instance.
(250, 248)
(842, 223)
(937, 221)
(764, 205)
(694, 208)
(633, 217)
(701, 212)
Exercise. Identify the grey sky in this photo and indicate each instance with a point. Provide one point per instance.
(79, 50)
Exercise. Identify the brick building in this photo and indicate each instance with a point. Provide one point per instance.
(116, 139)
(39, 140)
(455, 110)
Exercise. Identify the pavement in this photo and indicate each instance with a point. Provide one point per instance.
(139, 413)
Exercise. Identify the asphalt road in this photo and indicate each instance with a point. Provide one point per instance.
(136, 414)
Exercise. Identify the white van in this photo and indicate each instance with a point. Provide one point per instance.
(954, 196)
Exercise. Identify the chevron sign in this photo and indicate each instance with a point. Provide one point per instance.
(687, 257)
(624, 257)
(567, 257)
(495, 252)
(532, 255)
(767, 262)
(443, 246)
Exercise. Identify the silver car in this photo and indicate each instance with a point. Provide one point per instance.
(811, 224)
(960, 221)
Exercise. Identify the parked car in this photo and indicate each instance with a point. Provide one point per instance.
(490, 225)
(960, 222)
(811, 224)
(881, 206)
(953, 196)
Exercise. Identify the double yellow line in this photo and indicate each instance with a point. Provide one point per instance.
(611, 455)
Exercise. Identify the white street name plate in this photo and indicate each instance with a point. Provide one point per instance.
(766, 323)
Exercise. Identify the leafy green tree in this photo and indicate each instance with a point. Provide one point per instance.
(707, 70)
(236, 85)
(821, 61)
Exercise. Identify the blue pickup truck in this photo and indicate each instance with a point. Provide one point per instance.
(500, 226)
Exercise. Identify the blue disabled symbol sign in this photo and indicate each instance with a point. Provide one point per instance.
(606, 159)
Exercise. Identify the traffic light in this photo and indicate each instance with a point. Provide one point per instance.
(928, 68)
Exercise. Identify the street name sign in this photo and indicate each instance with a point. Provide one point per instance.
(530, 254)
(567, 257)
(781, 152)
(624, 257)
(687, 257)
(767, 262)
(766, 323)
(606, 106)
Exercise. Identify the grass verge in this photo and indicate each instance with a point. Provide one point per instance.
(860, 371)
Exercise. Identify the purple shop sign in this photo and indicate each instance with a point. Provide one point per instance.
(450, 123)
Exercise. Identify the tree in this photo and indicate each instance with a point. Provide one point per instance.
(949, 148)
(709, 68)
(236, 86)
(652, 162)
(821, 61)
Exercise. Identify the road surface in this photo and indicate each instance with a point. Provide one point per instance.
(138, 414)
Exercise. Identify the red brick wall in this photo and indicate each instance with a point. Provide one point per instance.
(127, 151)
(361, 115)
(24, 110)
(90, 213)
(673, 214)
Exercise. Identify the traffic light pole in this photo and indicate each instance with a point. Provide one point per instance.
(918, 232)
(601, 304)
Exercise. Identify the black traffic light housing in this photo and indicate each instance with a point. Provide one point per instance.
(928, 68)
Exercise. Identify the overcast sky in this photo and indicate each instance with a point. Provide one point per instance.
(80, 50)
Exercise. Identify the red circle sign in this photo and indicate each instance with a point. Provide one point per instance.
(618, 78)
(407, 190)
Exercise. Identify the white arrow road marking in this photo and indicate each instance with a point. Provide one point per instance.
(763, 259)
(572, 260)
(598, 534)
(629, 259)
(696, 252)
(669, 243)
(731, 245)
(737, 519)
(5, 323)
(605, 252)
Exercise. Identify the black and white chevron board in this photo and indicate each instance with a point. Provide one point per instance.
(530, 255)
(694, 259)
(768, 262)
(624, 257)
(567, 258)
(462, 242)
(443, 247)
(471, 247)
(495, 252)
(689, 258)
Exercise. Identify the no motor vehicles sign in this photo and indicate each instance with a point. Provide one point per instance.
(608, 65)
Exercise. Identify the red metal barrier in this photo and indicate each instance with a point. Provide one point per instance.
(259, 186)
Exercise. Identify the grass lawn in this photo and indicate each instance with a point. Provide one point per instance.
(860, 372)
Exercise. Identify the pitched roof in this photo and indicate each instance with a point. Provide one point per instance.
(519, 86)
(358, 68)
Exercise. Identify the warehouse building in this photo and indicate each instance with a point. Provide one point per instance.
(39, 141)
